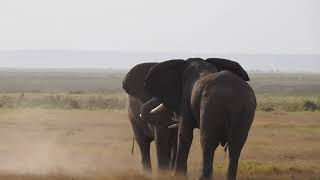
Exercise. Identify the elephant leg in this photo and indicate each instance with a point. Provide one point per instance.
(207, 160)
(162, 147)
(235, 147)
(145, 155)
(173, 148)
(185, 136)
(144, 145)
(238, 137)
(209, 138)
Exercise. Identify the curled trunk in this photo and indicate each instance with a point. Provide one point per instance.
(148, 107)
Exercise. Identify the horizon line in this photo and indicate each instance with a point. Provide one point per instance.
(254, 71)
(153, 52)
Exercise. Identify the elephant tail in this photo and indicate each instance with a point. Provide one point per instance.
(132, 148)
(225, 149)
(229, 132)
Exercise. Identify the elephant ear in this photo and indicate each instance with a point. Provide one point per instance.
(133, 82)
(234, 67)
(164, 81)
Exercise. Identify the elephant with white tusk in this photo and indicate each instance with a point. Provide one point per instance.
(148, 127)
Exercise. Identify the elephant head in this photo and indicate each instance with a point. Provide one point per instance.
(148, 127)
(165, 80)
(133, 82)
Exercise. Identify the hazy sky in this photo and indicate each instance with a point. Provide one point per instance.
(255, 26)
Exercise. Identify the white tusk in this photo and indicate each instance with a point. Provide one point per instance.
(173, 126)
(158, 109)
(140, 115)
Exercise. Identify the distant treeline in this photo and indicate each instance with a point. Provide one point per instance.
(112, 101)
(117, 101)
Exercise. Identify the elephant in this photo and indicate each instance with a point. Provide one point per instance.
(145, 131)
(211, 95)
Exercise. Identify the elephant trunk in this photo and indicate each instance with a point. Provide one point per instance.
(147, 109)
(154, 106)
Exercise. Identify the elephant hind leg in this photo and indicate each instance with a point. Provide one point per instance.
(207, 161)
(235, 146)
(234, 154)
(211, 127)
(236, 141)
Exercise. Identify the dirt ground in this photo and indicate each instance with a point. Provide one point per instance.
(53, 144)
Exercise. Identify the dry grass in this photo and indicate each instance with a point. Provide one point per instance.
(53, 144)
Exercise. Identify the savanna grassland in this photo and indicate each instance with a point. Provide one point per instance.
(72, 124)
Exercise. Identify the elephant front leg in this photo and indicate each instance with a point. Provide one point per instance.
(145, 156)
(173, 148)
(144, 145)
(185, 136)
(162, 147)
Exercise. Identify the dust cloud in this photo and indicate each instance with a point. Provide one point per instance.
(43, 142)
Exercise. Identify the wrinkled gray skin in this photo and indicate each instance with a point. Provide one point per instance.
(149, 127)
(212, 95)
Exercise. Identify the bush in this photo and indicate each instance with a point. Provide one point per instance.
(293, 107)
(74, 104)
(267, 108)
(7, 101)
(310, 106)
(76, 92)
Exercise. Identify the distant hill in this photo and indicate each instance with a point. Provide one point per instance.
(106, 80)
(123, 60)
(60, 80)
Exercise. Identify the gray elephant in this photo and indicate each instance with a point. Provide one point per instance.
(212, 95)
(147, 127)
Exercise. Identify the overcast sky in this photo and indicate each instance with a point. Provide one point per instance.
(270, 26)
